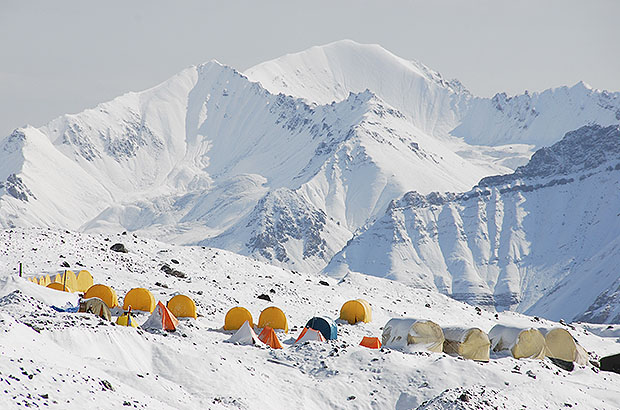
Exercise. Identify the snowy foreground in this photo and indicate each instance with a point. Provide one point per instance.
(64, 360)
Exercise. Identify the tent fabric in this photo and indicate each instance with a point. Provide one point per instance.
(309, 334)
(84, 280)
(182, 306)
(610, 363)
(269, 337)
(139, 299)
(68, 278)
(413, 334)
(354, 311)
(58, 278)
(126, 320)
(95, 306)
(46, 280)
(560, 344)
(161, 319)
(273, 317)
(59, 286)
(245, 335)
(522, 343)
(371, 342)
(326, 326)
(236, 317)
(103, 292)
(41, 281)
(469, 343)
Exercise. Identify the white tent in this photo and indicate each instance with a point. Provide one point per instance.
(522, 343)
(310, 334)
(469, 343)
(245, 335)
(413, 334)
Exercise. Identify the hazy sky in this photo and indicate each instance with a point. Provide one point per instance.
(62, 56)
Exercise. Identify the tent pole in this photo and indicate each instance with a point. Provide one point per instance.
(64, 282)
(20, 269)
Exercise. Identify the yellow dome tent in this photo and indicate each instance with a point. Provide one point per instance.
(59, 286)
(139, 299)
(236, 317)
(522, 343)
(413, 334)
(69, 279)
(273, 317)
(355, 311)
(104, 293)
(182, 306)
(472, 343)
(560, 344)
(84, 280)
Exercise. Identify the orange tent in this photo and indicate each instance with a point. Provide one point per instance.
(162, 319)
(269, 337)
(371, 342)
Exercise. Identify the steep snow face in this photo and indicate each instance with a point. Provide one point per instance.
(543, 240)
(329, 73)
(436, 106)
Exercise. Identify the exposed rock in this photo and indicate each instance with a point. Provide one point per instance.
(119, 247)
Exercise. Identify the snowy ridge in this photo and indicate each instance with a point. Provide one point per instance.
(88, 362)
(543, 240)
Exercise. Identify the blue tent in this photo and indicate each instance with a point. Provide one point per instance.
(326, 326)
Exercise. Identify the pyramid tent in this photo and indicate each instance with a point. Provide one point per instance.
(269, 337)
(139, 299)
(161, 319)
(84, 280)
(95, 306)
(103, 292)
(522, 343)
(371, 342)
(324, 325)
(310, 334)
(236, 317)
(469, 343)
(59, 286)
(46, 280)
(126, 319)
(560, 344)
(182, 306)
(273, 317)
(57, 278)
(41, 281)
(244, 336)
(413, 334)
(355, 311)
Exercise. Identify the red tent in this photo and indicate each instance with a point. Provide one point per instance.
(269, 337)
(371, 342)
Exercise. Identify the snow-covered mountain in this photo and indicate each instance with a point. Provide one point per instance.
(544, 240)
(287, 161)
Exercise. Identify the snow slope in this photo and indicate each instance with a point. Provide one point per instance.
(64, 360)
(543, 240)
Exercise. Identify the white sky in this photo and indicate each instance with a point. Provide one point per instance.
(63, 56)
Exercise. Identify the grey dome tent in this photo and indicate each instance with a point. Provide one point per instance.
(326, 326)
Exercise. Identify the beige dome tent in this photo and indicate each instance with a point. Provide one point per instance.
(84, 280)
(469, 343)
(95, 306)
(522, 343)
(413, 334)
(69, 279)
(560, 344)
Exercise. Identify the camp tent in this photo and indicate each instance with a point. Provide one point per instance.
(560, 344)
(95, 306)
(41, 281)
(46, 280)
(371, 342)
(126, 319)
(308, 334)
(69, 279)
(355, 311)
(84, 280)
(469, 343)
(33, 280)
(269, 337)
(610, 363)
(326, 326)
(245, 335)
(59, 286)
(161, 319)
(236, 317)
(139, 299)
(522, 343)
(273, 317)
(58, 278)
(182, 306)
(413, 334)
(104, 293)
